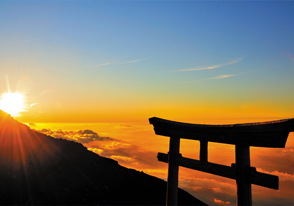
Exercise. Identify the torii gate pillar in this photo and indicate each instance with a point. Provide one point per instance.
(173, 172)
(244, 196)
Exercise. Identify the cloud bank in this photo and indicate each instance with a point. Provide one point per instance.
(81, 136)
(211, 189)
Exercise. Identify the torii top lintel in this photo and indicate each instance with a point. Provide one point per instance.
(259, 134)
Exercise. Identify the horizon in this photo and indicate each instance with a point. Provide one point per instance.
(108, 67)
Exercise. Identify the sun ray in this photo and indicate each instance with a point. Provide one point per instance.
(12, 103)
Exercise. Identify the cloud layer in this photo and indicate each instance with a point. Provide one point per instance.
(211, 189)
(81, 136)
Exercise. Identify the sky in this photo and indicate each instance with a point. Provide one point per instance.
(108, 66)
(130, 60)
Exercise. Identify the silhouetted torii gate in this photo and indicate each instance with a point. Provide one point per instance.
(261, 134)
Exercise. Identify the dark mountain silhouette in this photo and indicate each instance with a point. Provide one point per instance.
(38, 169)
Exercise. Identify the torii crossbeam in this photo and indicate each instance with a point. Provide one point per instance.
(261, 134)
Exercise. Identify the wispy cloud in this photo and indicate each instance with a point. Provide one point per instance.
(290, 56)
(108, 63)
(223, 76)
(283, 176)
(33, 104)
(99, 65)
(210, 67)
(137, 60)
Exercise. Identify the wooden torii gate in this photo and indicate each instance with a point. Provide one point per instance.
(262, 134)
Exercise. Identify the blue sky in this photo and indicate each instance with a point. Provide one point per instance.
(185, 52)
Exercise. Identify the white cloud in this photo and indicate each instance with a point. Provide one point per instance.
(33, 104)
(210, 67)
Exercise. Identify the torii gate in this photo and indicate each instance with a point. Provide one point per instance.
(261, 134)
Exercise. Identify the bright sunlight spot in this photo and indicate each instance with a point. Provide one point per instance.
(12, 103)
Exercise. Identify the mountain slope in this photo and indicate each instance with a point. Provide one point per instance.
(39, 169)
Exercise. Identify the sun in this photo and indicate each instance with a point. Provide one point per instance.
(12, 103)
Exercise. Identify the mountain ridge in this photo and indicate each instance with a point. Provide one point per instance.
(37, 169)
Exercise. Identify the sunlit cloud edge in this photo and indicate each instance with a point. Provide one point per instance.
(223, 76)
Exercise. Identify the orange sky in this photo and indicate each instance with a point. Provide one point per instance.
(136, 146)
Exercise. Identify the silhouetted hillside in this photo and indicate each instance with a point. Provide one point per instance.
(38, 169)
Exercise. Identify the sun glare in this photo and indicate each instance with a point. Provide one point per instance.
(12, 103)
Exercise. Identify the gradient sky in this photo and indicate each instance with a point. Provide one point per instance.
(108, 66)
(130, 60)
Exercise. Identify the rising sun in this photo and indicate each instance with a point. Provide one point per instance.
(12, 103)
